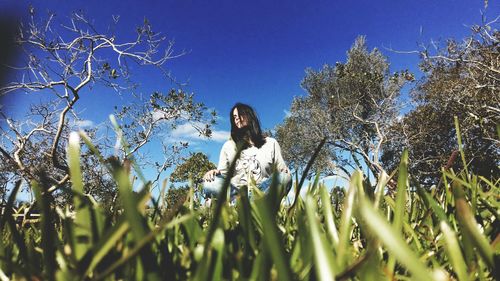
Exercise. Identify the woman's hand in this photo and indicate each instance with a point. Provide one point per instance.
(210, 175)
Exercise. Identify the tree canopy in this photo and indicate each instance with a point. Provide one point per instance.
(192, 168)
(352, 105)
(356, 106)
(462, 79)
(62, 62)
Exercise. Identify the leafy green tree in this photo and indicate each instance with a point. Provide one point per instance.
(462, 79)
(176, 196)
(350, 104)
(193, 168)
(337, 196)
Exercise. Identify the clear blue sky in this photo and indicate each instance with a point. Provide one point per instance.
(256, 51)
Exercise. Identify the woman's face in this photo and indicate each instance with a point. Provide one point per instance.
(239, 121)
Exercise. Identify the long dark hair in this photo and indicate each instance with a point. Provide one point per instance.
(251, 131)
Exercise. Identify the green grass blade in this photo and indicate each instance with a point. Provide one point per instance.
(130, 202)
(408, 228)
(273, 240)
(437, 211)
(107, 242)
(125, 146)
(306, 172)
(74, 164)
(399, 209)
(257, 267)
(91, 146)
(19, 242)
(221, 200)
(82, 234)
(454, 252)
(323, 257)
(328, 214)
(10, 204)
(393, 241)
(138, 224)
(491, 184)
(460, 146)
(383, 179)
(3, 276)
(218, 246)
(48, 232)
(161, 200)
(141, 244)
(345, 222)
(245, 218)
(470, 227)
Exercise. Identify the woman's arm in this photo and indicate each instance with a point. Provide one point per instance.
(278, 158)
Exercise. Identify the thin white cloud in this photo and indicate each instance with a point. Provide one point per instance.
(287, 113)
(84, 123)
(220, 136)
(157, 115)
(187, 132)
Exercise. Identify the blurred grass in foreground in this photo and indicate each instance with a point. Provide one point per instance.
(448, 233)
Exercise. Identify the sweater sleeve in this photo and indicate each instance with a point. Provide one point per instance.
(278, 158)
(224, 161)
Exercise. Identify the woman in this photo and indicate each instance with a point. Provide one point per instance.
(257, 160)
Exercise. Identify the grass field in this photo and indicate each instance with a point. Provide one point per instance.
(450, 232)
